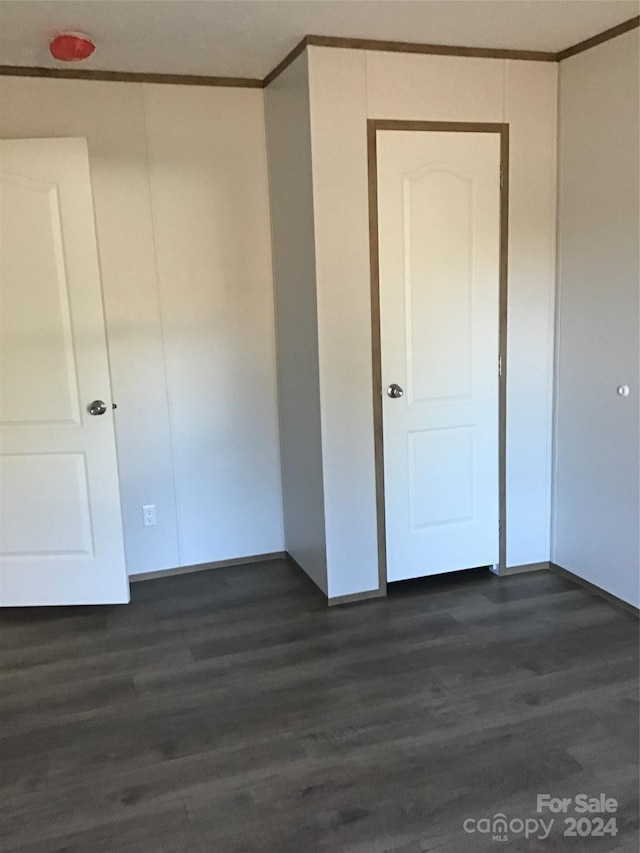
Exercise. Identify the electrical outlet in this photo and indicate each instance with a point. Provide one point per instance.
(149, 515)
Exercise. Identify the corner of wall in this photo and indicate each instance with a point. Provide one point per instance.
(338, 117)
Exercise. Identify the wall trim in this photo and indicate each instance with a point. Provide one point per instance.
(430, 49)
(286, 62)
(376, 349)
(129, 76)
(373, 126)
(449, 50)
(306, 577)
(356, 597)
(596, 590)
(611, 33)
(204, 567)
(525, 568)
(319, 41)
(352, 598)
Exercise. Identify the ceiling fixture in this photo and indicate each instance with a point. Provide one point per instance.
(71, 47)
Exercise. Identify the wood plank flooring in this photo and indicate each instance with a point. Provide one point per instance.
(231, 712)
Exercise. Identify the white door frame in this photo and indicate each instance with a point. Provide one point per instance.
(373, 127)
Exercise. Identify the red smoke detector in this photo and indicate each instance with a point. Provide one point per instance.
(71, 47)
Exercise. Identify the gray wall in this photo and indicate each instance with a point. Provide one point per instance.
(596, 484)
(290, 179)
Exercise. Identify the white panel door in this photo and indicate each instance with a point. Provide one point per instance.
(60, 523)
(439, 248)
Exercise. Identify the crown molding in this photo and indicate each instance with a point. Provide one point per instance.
(320, 41)
(430, 49)
(286, 62)
(129, 76)
(450, 50)
(611, 33)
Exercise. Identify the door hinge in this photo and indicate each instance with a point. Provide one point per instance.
(501, 177)
(499, 365)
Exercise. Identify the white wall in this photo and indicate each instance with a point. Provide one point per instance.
(531, 110)
(340, 192)
(111, 116)
(181, 202)
(597, 506)
(289, 142)
(347, 87)
(210, 203)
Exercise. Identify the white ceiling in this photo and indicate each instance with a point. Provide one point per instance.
(247, 38)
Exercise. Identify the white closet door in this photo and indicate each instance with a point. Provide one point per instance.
(439, 248)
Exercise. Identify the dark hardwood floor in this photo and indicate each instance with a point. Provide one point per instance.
(231, 711)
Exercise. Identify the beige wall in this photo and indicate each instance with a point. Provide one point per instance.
(597, 502)
(182, 215)
(347, 87)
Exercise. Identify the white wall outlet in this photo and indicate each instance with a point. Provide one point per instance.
(149, 515)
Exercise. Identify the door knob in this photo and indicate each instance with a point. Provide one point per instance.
(394, 391)
(98, 407)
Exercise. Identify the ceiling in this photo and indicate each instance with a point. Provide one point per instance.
(247, 38)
